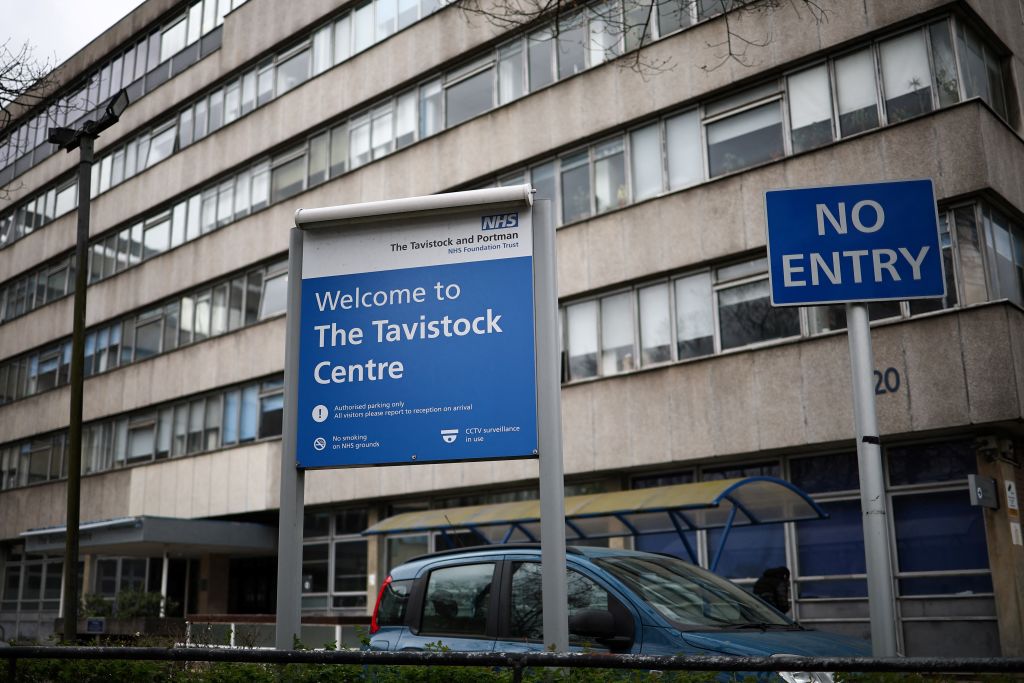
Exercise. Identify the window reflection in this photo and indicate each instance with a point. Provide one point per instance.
(746, 316)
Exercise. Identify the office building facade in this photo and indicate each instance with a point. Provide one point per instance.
(655, 148)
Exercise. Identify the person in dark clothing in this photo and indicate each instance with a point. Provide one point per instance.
(773, 588)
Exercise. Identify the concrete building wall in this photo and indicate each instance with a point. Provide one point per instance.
(398, 61)
(615, 247)
(214, 363)
(961, 370)
(791, 397)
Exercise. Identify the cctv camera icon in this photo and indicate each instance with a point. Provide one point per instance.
(448, 435)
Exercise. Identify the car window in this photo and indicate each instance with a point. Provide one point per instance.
(457, 600)
(526, 615)
(689, 596)
(393, 601)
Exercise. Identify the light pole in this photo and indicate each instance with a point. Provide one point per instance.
(68, 139)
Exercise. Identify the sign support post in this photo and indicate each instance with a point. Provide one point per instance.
(423, 330)
(881, 599)
(554, 582)
(293, 479)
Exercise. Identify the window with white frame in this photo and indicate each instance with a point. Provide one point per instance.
(744, 310)
(230, 304)
(810, 108)
(288, 174)
(469, 91)
(710, 311)
(1004, 243)
(744, 130)
(334, 561)
(293, 68)
(31, 583)
(981, 69)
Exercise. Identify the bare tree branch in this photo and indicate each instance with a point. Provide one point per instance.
(25, 83)
(737, 43)
(623, 29)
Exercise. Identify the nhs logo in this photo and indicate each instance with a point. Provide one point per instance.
(500, 221)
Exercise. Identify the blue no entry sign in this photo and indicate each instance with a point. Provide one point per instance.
(417, 342)
(848, 243)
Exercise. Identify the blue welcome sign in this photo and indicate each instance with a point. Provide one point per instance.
(416, 342)
(850, 243)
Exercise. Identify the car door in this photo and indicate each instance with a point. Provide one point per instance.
(521, 625)
(453, 607)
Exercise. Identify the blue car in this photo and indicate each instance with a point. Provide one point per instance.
(489, 599)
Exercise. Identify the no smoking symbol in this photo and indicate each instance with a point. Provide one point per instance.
(319, 443)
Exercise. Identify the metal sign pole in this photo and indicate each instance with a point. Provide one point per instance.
(881, 603)
(289, 528)
(554, 582)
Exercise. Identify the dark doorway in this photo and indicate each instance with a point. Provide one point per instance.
(177, 577)
(252, 585)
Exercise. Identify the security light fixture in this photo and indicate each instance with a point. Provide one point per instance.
(68, 138)
(118, 103)
(62, 137)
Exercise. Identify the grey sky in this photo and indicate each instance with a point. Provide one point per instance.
(57, 29)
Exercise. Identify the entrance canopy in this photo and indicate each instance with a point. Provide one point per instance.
(152, 536)
(665, 509)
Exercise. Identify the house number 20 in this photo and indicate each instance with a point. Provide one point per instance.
(887, 381)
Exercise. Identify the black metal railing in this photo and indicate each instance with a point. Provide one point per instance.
(516, 662)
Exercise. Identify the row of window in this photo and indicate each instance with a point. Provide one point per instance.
(207, 422)
(142, 67)
(688, 147)
(329, 45)
(929, 511)
(708, 311)
(686, 316)
(807, 109)
(31, 583)
(372, 22)
(209, 311)
(926, 495)
(525, 64)
(829, 552)
(48, 283)
(189, 219)
(690, 315)
(832, 478)
(41, 208)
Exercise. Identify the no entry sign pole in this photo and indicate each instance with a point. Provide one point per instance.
(851, 244)
(877, 560)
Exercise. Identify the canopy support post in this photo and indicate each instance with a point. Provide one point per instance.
(682, 537)
(725, 535)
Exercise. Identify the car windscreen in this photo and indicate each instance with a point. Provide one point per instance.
(688, 596)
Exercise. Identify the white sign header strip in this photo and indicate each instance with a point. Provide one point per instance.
(417, 242)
